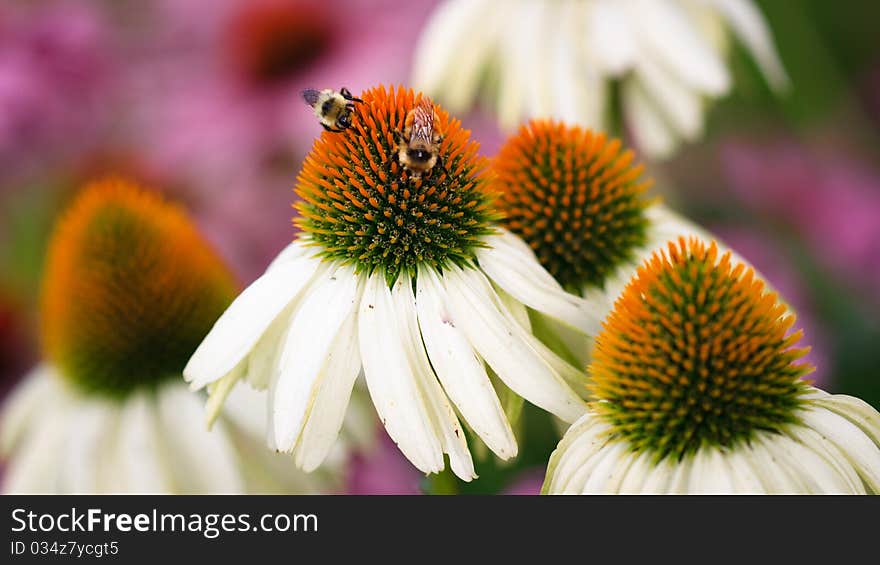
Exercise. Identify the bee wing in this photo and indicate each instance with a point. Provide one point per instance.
(423, 121)
(310, 95)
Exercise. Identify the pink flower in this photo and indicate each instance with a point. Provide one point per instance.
(832, 201)
(384, 470)
(54, 76)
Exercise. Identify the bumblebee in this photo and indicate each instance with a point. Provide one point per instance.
(418, 147)
(332, 107)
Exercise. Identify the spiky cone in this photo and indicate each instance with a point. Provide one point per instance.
(409, 280)
(578, 200)
(697, 389)
(130, 289)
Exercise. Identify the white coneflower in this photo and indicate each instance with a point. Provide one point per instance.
(558, 59)
(697, 389)
(407, 279)
(577, 200)
(129, 292)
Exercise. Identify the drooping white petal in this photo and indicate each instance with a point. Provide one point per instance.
(262, 363)
(832, 455)
(861, 451)
(665, 31)
(680, 477)
(460, 370)
(442, 415)
(451, 26)
(512, 74)
(86, 458)
(856, 410)
(189, 447)
(635, 475)
(682, 106)
(575, 98)
(606, 476)
(710, 474)
(503, 344)
(609, 37)
(316, 323)
(751, 29)
(35, 467)
(659, 477)
(331, 403)
(774, 474)
(23, 405)
(816, 472)
(742, 475)
(139, 458)
(510, 264)
(242, 324)
(390, 381)
(651, 132)
(583, 440)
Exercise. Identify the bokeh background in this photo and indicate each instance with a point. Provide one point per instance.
(200, 99)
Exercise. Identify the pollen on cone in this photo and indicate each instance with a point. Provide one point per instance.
(360, 205)
(696, 352)
(130, 289)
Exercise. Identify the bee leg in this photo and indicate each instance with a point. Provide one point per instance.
(348, 96)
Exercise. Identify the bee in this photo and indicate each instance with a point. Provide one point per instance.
(418, 147)
(332, 107)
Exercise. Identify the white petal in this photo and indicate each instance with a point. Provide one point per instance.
(652, 134)
(460, 371)
(202, 462)
(665, 31)
(831, 454)
(242, 324)
(742, 475)
(392, 386)
(751, 29)
(709, 474)
(87, 451)
(442, 415)
(452, 25)
(583, 440)
(606, 476)
(503, 343)
(316, 322)
(575, 98)
(609, 37)
(332, 400)
(262, 363)
(659, 477)
(682, 107)
(139, 458)
(856, 411)
(634, 477)
(510, 264)
(513, 74)
(861, 451)
(818, 476)
(24, 404)
(771, 470)
(35, 464)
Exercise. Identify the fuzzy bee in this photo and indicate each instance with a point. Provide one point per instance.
(332, 107)
(418, 147)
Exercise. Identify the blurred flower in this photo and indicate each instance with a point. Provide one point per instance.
(130, 289)
(729, 414)
(577, 199)
(832, 202)
(775, 267)
(527, 483)
(394, 275)
(15, 351)
(558, 59)
(54, 78)
(383, 470)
